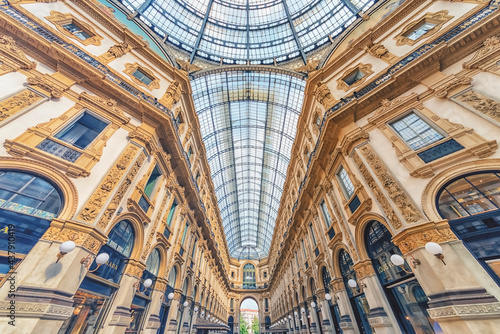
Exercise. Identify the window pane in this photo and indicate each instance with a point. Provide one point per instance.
(450, 208)
(415, 132)
(77, 31)
(419, 31)
(153, 179)
(345, 182)
(82, 131)
(488, 184)
(142, 76)
(469, 197)
(326, 214)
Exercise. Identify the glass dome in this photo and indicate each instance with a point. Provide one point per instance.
(247, 31)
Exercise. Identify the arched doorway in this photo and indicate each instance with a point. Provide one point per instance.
(101, 283)
(249, 317)
(332, 303)
(166, 302)
(408, 300)
(471, 203)
(356, 296)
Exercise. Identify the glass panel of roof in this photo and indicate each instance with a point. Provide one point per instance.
(258, 31)
(248, 121)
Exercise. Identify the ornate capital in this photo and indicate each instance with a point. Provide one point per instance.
(416, 237)
(364, 269)
(81, 234)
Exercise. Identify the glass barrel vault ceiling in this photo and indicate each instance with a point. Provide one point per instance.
(248, 122)
(253, 31)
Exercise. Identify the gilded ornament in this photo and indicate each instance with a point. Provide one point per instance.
(18, 102)
(172, 95)
(310, 67)
(187, 66)
(46, 86)
(417, 237)
(408, 210)
(99, 198)
(324, 96)
(386, 207)
(484, 105)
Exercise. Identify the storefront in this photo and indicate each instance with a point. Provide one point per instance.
(408, 300)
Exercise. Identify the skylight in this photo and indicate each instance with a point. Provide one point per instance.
(247, 31)
(248, 122)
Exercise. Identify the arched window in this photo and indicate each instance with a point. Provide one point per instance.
(151, 271)
(333, 307)
(119, 247)
(27, 205)
(411, 314)
(356, 296)
(471, 203)
(248, 276)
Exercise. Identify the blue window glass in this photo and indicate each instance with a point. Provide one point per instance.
(76, 30)
(357, 298)
(326, 214)
(27, 205)
(415, 131)
(171, 213)
(184, 233)
(248, 276)
(153, 179)
(345, 182)
(353, 77)
(82, 131)
(419, 30)
(119, 247)
(412, 316)
(28, 194)
(141, 76)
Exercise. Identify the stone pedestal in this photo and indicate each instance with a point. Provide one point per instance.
(327, 323)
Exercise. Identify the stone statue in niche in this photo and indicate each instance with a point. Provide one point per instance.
(324, 96)
(172, 95)
(116, 51)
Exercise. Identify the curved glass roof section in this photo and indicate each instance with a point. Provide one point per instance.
(248, 121)
(248, 31)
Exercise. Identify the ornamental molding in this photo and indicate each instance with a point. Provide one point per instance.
(47, 85)
(172, 95)
(37, 310)
(396, 193)
(473, 311)
(131, 68)
(484, 55)
(480, 104)
(81, 234)
(416, 237)
(366, 69)
(448, 84)
(12, 56)
(60, 19)
(364, 269)
(107, 106)
(349, 141)
(324, 96)
(135, 268)
(97, 201)
(438, 19)
(389, 107)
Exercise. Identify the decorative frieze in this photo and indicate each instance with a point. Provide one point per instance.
(389, 212)
(81, 235)
(396, 193)
(472, 311)
(18, 102)
(486, 58)
(98, 199)
(416, 237)
(46, 311)
(479, 103)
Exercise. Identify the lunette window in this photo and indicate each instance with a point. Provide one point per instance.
(415, 131)
(82, 131)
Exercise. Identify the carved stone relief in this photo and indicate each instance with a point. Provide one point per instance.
(18, 102)
(480, 103)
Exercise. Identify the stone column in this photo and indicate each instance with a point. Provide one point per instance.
(463, 297)
(377, 315)
(327, 324)
(346, 323)
(40, 291)
(186, 315)
(172, 314)
(153, 322)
